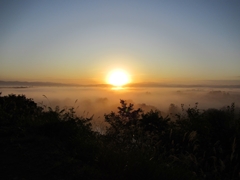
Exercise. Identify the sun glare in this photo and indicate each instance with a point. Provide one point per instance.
(118, 78)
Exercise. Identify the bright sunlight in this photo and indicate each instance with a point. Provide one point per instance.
(118, 78)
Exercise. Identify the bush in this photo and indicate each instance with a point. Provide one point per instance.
(48, 143)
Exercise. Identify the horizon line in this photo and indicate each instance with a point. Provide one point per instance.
(25, 84)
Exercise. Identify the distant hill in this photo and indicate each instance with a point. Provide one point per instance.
(28, 84)
(22, 84)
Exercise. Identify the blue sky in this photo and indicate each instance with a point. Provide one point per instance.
(155, 41)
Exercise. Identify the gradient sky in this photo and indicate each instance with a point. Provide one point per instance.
(155, 41)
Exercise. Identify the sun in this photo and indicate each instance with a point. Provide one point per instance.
(118, 78)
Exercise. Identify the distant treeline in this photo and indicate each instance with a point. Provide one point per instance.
(40, 142)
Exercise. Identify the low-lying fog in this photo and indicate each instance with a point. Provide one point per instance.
(97, 101)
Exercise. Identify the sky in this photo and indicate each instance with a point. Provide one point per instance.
(154, 41)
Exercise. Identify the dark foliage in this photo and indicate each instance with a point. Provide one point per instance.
(38, 144)
(206, 143)
(46, 143)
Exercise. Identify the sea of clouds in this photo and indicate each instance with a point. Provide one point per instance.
(88, 101)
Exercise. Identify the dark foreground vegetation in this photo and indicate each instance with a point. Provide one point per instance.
(39, 143)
